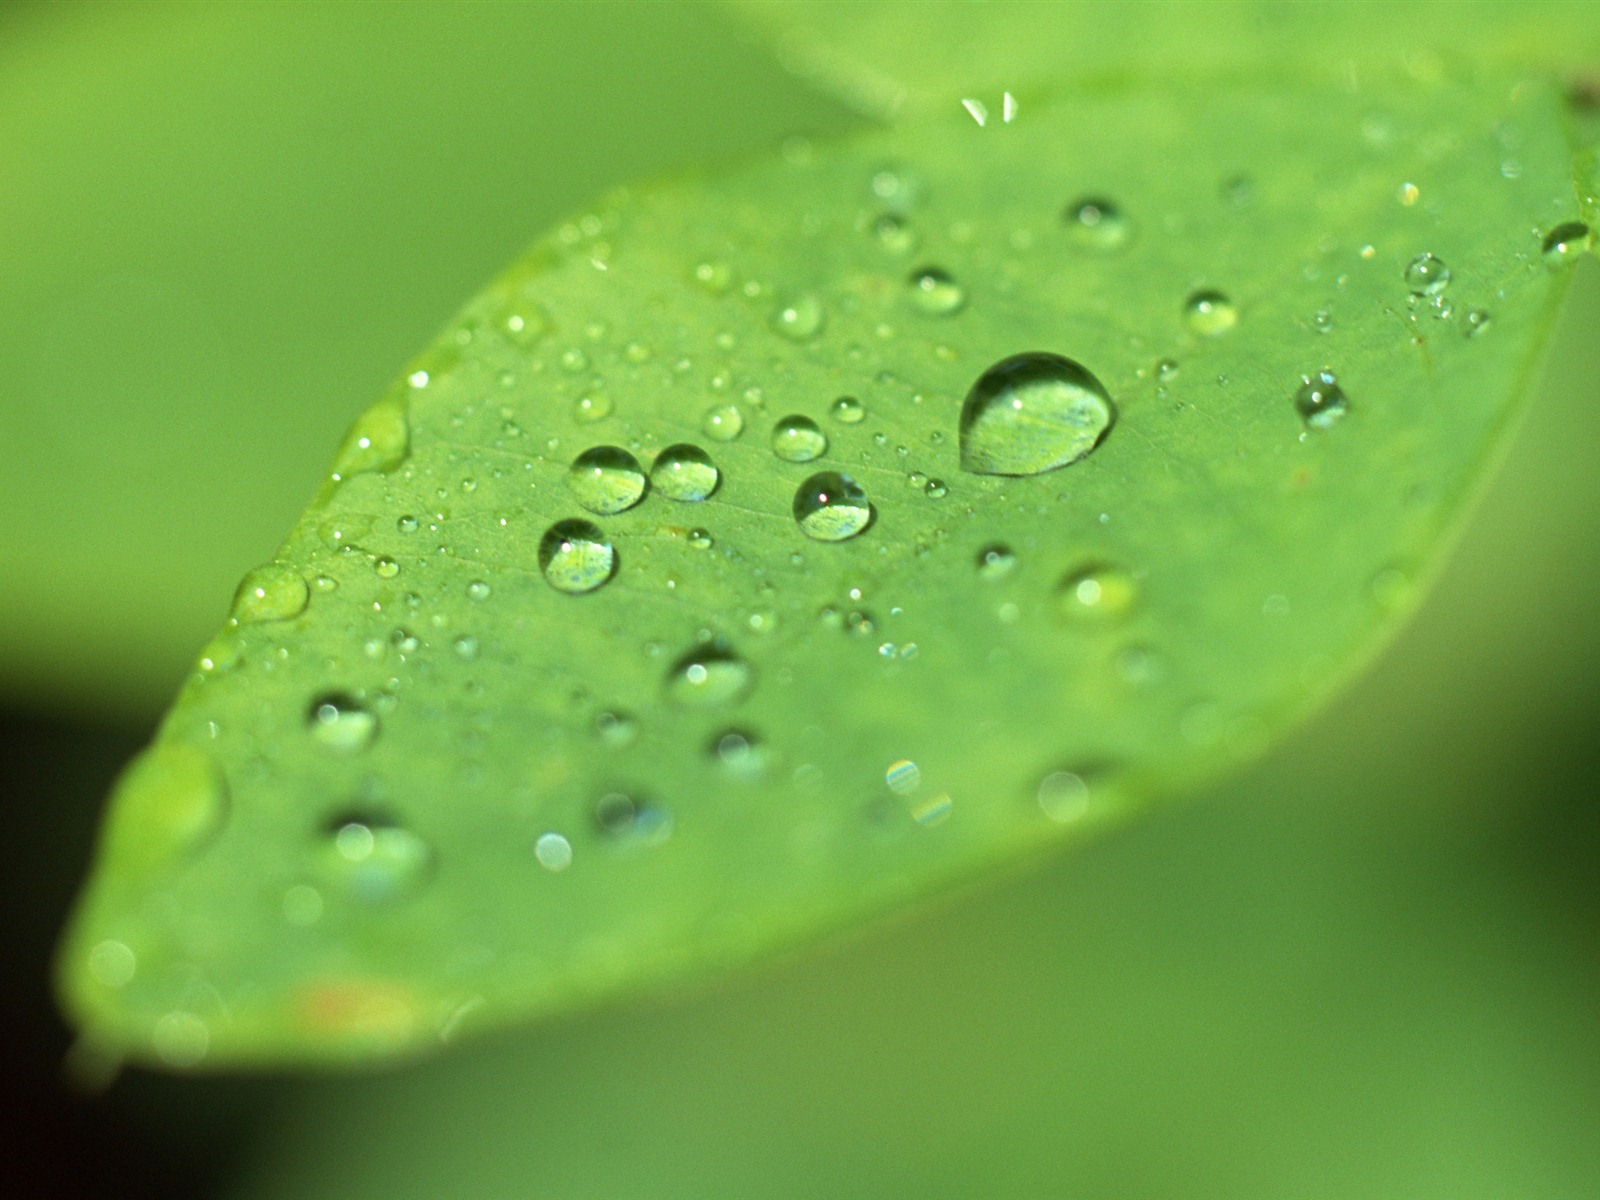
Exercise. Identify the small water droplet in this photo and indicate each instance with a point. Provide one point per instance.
(606, 480)
(1321, 402)
(895, 234)
(903, 777)
(935, 292)
(847, 410)
(623, 819)
(1210, 313)
(407, 524)
(616, 728)
(385, 567)
(700, 539)
(723, 423)
(996, 561)
(797, 439)
(378, 441)
(684, 472)
(1063, 797)
(576, 557)
(801, 319)
(1476, 321)
(341, 722)
(1098, 592)
(466, 647)
(592, 407)
(1565, 242)
(1407, 194)
(553, 852)
(935, 489)
(272, 592)
(374, 859)
(1322, 321)
(709, 675)
(714, 277)
(740, 752)
(1032, 413)
(831, 507)
(1426, 275)
(1098, 223)
(477, 590)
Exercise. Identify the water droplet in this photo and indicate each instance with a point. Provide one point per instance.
(996, 561)
(378, 441)
(407, 524)
(181, 1039)
(1322, 321)
(1426, 275)
(1063, 796)
(553, 852)
(847, 410)
(709, 675)
(713, 276)
(1032, 413)
(606, 480)
(624, 819)
(831, 507)
(1565, 242)
(903, 777)
(797, 439)
(1321, 401)
(466, 647)
(684, 472)
(700, 539)
(895, 234)
(1098, 592)
(616, 728)
(801, 319)
(270, 593)
(1098, 223)
(576, 557)
(934, 292)
(1476, 321)
(935, 489)
(385, 568)
(477, 590)
(592, 407)
(740, 752)
(341, 722)
(112, 964)
(1210, 313)
(373, 859)
(723, 423)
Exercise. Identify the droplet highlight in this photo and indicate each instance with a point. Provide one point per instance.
(831, 507)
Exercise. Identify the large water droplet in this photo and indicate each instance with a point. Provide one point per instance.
(708, 676)
(1426, 275)
(341, 722)
(684, 472)
(374, 859)
(1321, 402)
(1032, 413)
(935, 292)
(606, 480)
(742, 753)
(272, 592)
(1565, 242)
(1210, 313)
(1098, 223)
(797, 439)
(378, 441)
(575, 556)
(831, 507)
(801, 319)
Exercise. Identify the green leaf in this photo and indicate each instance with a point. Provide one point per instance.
(463, 760)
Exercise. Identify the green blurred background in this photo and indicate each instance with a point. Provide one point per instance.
(1367, 968)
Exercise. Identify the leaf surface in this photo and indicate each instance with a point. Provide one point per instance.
(416, 787)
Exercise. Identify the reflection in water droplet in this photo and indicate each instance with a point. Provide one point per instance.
(903, 777)
(996, 561)
(1098, 592)
(626, 820)
(553, 852)
(1210, 313)
(1032, 413)
(373, 859)
(1098, 223)
(797, 439)
(576, 557)
(723, 423)
(341, 722)
(831, 507)
(379, 440)
(270, 593)
(801, 319)
(1321, 402)
(1063, 796)
(1426, 275)
(934, 292)
(709, 675)
(112, 963)
(1565, 242)
(847, 410)
(684, 472)
(606, 480)
(180, 1039)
